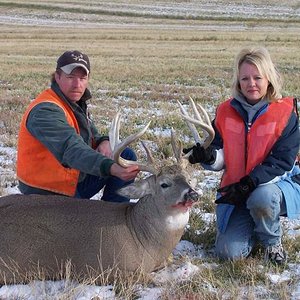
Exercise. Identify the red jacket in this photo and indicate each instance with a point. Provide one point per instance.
(243, 151)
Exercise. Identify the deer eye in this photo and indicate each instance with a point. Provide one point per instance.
(164, 185)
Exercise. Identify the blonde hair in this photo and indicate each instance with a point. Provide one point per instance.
(260, 58)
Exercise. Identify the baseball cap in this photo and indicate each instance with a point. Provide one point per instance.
(70, 60)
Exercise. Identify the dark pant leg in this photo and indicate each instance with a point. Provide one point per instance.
(114, 183)
(91, 185)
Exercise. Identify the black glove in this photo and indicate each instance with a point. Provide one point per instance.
(237, 193)
(201, 155)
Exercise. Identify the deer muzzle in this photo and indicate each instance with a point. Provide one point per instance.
(189, 199)
(191, 196)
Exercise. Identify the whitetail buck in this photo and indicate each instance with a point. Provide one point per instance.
(39, 234)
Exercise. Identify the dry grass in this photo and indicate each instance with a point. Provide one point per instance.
(143, 65)
(72, 283)
(142, 70)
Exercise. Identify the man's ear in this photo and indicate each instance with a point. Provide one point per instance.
(57, 75)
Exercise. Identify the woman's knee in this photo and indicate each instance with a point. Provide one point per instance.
(231, 250)
(265, 197)
(265, 203)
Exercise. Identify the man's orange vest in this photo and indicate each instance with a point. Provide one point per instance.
(36, 165)
(244, 151)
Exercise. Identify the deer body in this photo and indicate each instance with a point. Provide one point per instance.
(47, 231)
(43, 233)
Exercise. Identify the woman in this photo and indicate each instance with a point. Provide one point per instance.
(256, 143)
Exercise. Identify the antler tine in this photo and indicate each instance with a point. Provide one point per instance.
(114, 131)
(150, 158)
(150, 161)
(177, 150)
(118, 146)
(191, 126)
(196, 109)
(204, 123)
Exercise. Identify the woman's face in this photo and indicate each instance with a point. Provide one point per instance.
(253, 85)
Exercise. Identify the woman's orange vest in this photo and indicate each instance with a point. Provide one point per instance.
(36, 165)
(244, 151)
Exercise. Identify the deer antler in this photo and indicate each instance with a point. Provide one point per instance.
(117, 146)
(203, 121)
(176, 147)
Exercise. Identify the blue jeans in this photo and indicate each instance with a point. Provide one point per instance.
(258, 220)
(91, 185)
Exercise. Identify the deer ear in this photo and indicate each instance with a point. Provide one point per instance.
(136, 190)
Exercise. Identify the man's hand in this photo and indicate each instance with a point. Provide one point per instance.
(125, 174)
(200, 155)
(237, 193)
(105, 149)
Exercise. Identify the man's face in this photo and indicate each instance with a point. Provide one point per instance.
(73, 85)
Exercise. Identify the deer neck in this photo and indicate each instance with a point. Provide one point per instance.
(156, 227)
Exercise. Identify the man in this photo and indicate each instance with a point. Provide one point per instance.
(60, 150)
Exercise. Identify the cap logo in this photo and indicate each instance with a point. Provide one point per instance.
(79, 58)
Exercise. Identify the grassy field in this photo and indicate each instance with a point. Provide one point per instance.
(140, 65)
(145, 55)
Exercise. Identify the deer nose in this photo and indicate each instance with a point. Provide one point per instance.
(191, 195)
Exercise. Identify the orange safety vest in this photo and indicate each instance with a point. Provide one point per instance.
(244, 151)
(36, 165)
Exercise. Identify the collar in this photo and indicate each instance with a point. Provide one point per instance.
(247, 111)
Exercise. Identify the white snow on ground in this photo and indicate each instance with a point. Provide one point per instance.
(113, 15)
